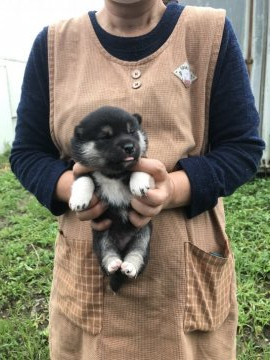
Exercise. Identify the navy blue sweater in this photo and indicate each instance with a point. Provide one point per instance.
(235, 146)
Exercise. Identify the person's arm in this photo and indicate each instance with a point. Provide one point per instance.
(34, 158)
(235, 147)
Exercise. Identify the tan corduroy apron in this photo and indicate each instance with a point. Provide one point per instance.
(183, 306)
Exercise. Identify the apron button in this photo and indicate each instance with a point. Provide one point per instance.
(137, 84)
(136, 74)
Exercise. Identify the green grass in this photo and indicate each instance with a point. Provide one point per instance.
(248, 225)
(27, 234)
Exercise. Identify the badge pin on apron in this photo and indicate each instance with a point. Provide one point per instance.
(184, 73)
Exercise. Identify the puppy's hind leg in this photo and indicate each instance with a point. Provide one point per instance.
(138, 253)
(107, 253)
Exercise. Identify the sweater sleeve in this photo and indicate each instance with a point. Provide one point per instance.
(34, 158)
(235, 148)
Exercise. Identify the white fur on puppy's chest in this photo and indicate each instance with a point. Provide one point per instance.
(114, 190)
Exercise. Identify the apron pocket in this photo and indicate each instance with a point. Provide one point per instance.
(78, 283)
(209, 278)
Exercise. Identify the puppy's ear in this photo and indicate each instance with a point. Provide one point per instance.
(138, 117)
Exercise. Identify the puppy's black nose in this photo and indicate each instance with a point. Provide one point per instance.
(129, 148)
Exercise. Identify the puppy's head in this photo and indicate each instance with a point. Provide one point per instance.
(109, 140)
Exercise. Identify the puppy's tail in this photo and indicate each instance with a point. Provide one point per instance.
(117, 280)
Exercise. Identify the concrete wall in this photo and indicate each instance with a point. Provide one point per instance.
(11, 75)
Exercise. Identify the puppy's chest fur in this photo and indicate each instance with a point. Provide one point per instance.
(114, 192)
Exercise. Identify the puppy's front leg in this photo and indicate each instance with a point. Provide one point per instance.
(81, 193)
(140, 182)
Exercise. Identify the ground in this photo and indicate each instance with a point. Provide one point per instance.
(27, 234)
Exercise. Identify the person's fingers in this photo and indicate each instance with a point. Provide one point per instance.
(79, 169)
(96, 208)
(153, 167)
(138, 220)
(101, 225)
(145, 207)
(153, 197)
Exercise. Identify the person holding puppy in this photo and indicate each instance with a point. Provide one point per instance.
(181, 69)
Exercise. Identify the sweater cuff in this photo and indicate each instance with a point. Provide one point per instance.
(55, 206)
(204, 194)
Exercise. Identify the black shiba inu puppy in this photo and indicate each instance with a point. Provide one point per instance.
(111, 140)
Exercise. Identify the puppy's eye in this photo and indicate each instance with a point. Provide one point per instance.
(104, 136)
(132, 131)
(131, 128)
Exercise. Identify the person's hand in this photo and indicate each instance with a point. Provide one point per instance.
(171, 190)
(148, 206)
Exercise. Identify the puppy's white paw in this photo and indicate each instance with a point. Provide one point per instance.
(79, 202)
(114, 266)
(140, 183)
(81, 193)
(129, 269)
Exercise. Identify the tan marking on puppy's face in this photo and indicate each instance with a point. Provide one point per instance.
(106, 132)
